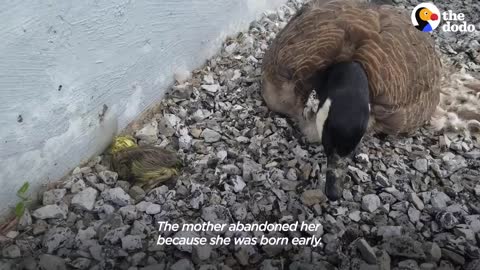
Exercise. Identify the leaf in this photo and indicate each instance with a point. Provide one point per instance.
(23, 189)
(19, 209)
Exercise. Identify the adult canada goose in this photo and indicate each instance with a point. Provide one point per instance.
(370, 67)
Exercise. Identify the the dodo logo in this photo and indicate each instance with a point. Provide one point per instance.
(426, 17)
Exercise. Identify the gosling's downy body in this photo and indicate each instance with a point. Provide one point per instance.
(368, 60)
(146, 166)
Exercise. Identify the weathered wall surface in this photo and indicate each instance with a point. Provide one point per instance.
(62, 63)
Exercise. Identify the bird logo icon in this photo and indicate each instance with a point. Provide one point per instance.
(426, 17)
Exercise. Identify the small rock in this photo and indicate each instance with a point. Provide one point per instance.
(56, 238)
(465, 232)
(439, 200)
(157, 266)
(123, 184)
(292, 175)
(239, 211)
(317, 231)
(477, 190)
(215, 214)
(40, 227)
(347, 195)
(416, 201)
(238, 183)
(153, 209)
(428, 266)
(408, 265)
(196, 132)
(370, 202)
(25, 220)
(413, 214)
(149, 133)
(114, 235)
(11, 252)
(474, 154)
(96, 251)
(383, 260)
(202, 252)
(473, 222)
(453, 256)
(221, 155)
(289, 185)
(132, 242)
(473, 265)
(389, 231)
(432, 251)
(51, 211)
(208, 79)
(182, 264)
(363, 158)
(167, 126)
(77, 186)
(186, 235)
(230, 49)
(137, 258)
(210, 136)
(231, 169)
(421, 165)
(51, 262)
(53, 196)
(212, 88)
(81, 263)
(446, 219)
(108, 177)
(250, 169)
(368, 254)
(185, 141)
(445, 265)
(128, 212)
(405, 247)
(273, 250)
(117, 196)
(300, 152)
(313, 196)
(142, 206)
(85, 199)
(382, 180)
(28, 263)
(359, 176)
(242, 256)
(355, 216)
(137, 193)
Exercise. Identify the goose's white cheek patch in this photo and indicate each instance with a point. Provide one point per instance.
(322, 116)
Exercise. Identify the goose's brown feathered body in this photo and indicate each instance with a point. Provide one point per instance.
(401, 64)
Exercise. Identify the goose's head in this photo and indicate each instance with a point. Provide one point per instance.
(342, 119)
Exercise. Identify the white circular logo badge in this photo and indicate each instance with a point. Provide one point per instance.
(426, 17)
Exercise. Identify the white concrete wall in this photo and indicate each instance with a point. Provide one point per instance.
(119, 53)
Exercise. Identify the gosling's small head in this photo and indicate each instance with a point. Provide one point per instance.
(122, 142)
(342, 119)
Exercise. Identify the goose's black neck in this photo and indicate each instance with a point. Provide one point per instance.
(347, 89)
(342, 118)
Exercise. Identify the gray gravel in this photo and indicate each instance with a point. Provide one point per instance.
(410, 203)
